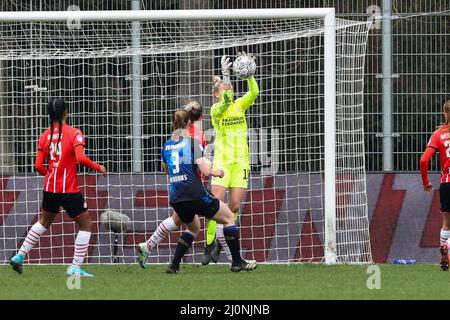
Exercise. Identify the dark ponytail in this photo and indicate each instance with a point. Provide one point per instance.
(56, 109)
(195, 110)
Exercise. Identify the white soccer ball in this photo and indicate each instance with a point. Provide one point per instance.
(115, 221)
(244, 67)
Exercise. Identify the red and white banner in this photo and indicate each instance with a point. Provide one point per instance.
(404, 221)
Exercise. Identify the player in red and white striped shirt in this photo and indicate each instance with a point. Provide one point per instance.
(174, 222)
(63, 147)
(440, 141)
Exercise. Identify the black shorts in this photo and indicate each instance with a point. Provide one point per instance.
(206, 207)
(73, 203)
(444, 193)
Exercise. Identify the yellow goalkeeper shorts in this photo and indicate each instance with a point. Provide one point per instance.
(235, 175)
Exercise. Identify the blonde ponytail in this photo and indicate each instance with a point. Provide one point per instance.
(217, 83)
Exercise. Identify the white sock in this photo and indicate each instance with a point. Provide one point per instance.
(445, 234)
(32, 238)
(221, 238)
(161, 232)
(81, 247)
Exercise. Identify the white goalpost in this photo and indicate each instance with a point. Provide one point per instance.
(124, 73)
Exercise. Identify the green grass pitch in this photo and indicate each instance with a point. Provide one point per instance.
(296, 281)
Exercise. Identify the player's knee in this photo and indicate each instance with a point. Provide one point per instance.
(194, 230)
(46, 223)
(218, 192)
(234, 207)
(176, 219)
(446, 221)
(46, 220)
(85, 227)
(83, 220)
(228, 219)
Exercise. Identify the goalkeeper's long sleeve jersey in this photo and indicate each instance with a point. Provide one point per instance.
(228, 119)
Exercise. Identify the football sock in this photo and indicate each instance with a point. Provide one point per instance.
(232, 239)
(161, 232)
(221, 239)
(32, 238)
(81, 247)
(210, 231)
(445, 234)
(184, 242)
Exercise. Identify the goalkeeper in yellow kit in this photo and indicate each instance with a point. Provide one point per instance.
(230, 153)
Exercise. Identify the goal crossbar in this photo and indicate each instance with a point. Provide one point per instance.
(137, 15)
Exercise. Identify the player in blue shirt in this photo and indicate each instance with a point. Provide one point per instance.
(182, 158)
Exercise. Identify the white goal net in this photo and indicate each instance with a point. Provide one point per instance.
(123, 80)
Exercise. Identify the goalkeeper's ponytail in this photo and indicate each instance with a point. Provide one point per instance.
(217, 83)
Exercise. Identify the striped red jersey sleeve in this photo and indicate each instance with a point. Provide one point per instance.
(424, 161)
(77, 138)
(440, 142)
(84, 160)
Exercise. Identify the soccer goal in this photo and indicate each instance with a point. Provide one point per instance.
(124, 73)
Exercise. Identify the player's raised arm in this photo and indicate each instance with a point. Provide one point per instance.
(222, 90)
(248, 60)
(249, 98)
(226, 66)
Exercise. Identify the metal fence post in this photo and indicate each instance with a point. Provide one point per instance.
(136, 91)
(387, 87)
